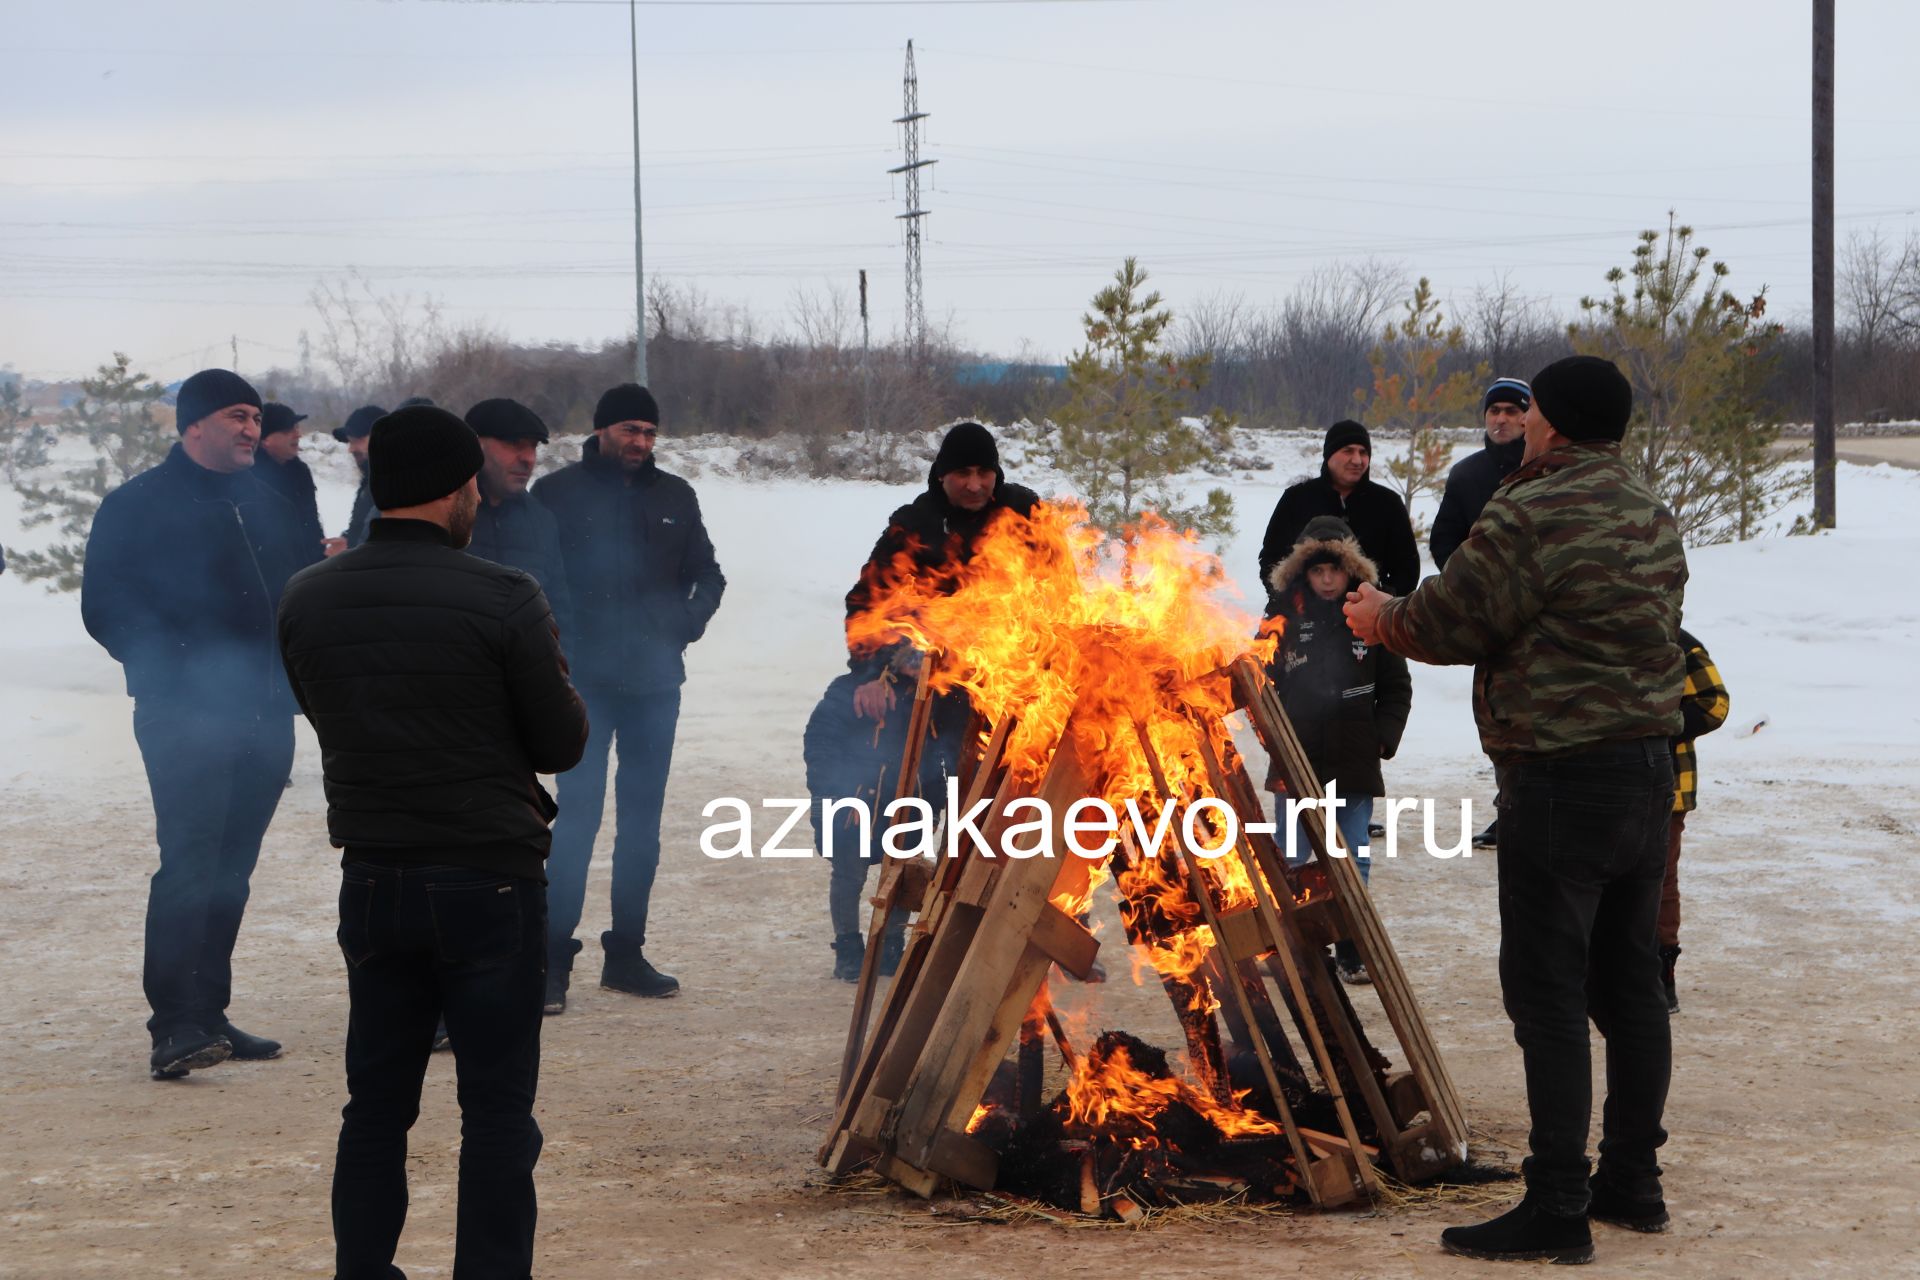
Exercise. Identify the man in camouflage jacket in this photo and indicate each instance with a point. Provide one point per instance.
(1566, 596)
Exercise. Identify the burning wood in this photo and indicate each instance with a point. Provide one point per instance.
(1102, 678)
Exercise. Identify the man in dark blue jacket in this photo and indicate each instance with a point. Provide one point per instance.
(644, 582)
(185, 565)
(1473, 479)
(353, 433)
(510, 527)
(277, 461)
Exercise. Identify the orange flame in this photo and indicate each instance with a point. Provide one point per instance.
(1107, 1093)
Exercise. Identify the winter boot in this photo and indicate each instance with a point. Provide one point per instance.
(1490, 838)
(849, 954)
(248, 1048)
(187, 1050)
(1346, 959)
(1604, 1204)
(1523, 1234)
(1667, 956)
(560, 976)
(626, 969)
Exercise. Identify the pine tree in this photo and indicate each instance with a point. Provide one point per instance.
(115, 418)
(1121, 438)
(23, 442)
(1410, 395)
(1702, 432)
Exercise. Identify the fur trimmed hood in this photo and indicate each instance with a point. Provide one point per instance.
(1322, 535)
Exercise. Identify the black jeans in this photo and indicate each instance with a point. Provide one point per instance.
(1582, 851)
(216, 778)
(644, 725)
(424, 943)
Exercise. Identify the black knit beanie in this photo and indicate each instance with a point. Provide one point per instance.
(208, 392)
(419, 454)
(1324, 529)
(359, 423)
(1343, 433)
(276, 417)
(1584, 398)
(967, 444)
(414, 402)
(628, 402)
(503, 419)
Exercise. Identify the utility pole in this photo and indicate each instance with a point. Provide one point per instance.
(1823, 442)
(866, 347)
(916, 323)
(639, 273)
(234, 342)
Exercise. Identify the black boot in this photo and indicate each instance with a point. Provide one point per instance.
(187, 1050)
(560, 976)
(1490, 838)
(248, 1048)
(1667, 956)
(1604, 1204)
(1346, 960)
(627, 970)
(1523, 1234)
(849, 953)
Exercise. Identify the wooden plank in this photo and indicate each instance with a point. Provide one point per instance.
(1065, 941)
(965, 1159)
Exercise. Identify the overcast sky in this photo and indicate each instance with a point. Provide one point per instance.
(176, 174)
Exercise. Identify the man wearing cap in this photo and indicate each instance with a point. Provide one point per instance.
(184, 567)
(1472, 480)
(644, 582)
(1566, 597)
(435, 683)
(510, 527)
(277, 461)
(353, 434)
(1343, 489)
(846, 755)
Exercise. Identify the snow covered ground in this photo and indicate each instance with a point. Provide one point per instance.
(685, 1126)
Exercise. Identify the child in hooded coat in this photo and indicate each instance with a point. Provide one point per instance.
(1348, 701)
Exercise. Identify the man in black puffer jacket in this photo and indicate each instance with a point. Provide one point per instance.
(435, 683)
(1344, 490)
(938, 530)
(1473, 479)
(644, 582)
(511, 528)
(184, 567)
(278, 462)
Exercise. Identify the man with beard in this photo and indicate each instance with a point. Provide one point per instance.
(1567, 600)
(277, 461)
(644, 582)
(846, 754)
(510, 527)
(353, 433)
(185, 564)
(435, 683)
(1342, 489)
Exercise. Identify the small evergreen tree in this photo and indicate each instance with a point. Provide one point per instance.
(116, 418)
(1121, 437)
(1410, 395)
(23, 442)
(1702, 433)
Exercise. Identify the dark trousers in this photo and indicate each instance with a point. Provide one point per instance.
(216, 778)
(1667, 932)
(640, 727)
(1583, 847)
(425, 943)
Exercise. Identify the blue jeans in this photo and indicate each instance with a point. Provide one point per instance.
(423, 943)
(1354, 815)
(641, 726)
(216, 778)
(1582, 854)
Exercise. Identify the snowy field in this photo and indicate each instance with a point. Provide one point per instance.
(680, 1134)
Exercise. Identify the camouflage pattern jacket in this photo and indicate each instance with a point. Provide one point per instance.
(1566, 596)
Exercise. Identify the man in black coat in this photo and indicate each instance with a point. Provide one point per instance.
(435, 683)
(1474, 478)
(1374, 512)
(511, 528)
(277, 461)
(353, 433)
(938, 530)
(184, 568)
(645, 583)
